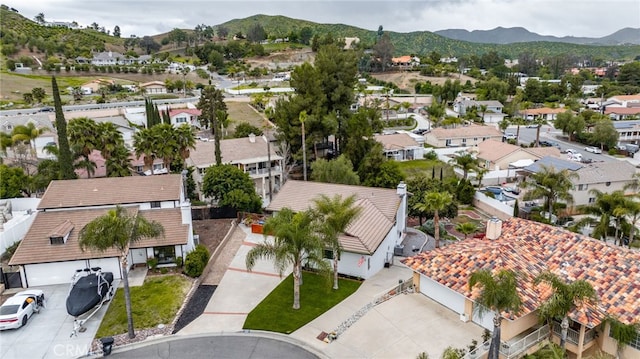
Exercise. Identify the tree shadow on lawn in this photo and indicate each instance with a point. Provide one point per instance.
(276, 314)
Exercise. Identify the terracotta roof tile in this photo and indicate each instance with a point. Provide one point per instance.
(396, 141)
(529, 248)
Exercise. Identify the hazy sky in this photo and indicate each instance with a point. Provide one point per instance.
(589, 18)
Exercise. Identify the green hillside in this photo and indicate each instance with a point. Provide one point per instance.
(424, 42)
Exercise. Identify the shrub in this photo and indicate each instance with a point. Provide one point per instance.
(152, 263)
(196, 261)
(8, 253)
(164, 270)
(179, 261)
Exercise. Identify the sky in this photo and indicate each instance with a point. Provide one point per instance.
(581, 18)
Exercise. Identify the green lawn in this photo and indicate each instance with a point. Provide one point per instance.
(275, 312)
(411, 168)
(156, 301)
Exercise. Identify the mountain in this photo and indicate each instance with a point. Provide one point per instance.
(501, 35)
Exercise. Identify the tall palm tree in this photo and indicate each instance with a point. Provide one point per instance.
(565, 298)
(539, 121)
(634, 184)
(335, 215)
(435, 202)
(552, 185)
(185, 140)
(294, 241)
(83, 135)
(499, 294)
(517, 121)
(167, 149)
(145, 143)
(118, 229)
(5, 142)
(466, 162)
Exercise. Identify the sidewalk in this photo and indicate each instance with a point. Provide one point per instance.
(239, 291)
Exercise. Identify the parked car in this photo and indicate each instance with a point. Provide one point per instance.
(509, 136)
(593, 149)
(47, 109)
(16, 311)
(531, 125)
(545, 143)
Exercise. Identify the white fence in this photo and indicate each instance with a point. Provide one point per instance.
(492, 206)
(23, 212)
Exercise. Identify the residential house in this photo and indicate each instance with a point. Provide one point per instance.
(605, 176)
(622, 107)
(628, 131)
(153, 87)
(496, 155)
(492, 114)
(405, 61)
(187, 116)
(95, 86)
(529, 249)
(107, 58)
(141, 168)
(369, 241)
(400, 147)
(249, 154)
(40, 121)
(351, 42)
(50, 254)
(546, 113)
(469, 135)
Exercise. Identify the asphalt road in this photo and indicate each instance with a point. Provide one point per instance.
(240, 346)
(548, 133)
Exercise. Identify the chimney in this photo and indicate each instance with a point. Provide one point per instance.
(494, 229)
(252, 138)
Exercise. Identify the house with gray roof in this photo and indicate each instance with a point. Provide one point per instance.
(492, 114)
(369, 241)
(605, 177)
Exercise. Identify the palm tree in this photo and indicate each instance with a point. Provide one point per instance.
(436, 202)
(167, 149)
(499, 294)
(28, 134)
(146, 144)
(634, 184)
(294, 241)
(630, 209)
(185, 140)
(83, 135)
(5, 142)
(466, 162)
(565, 298)
(552, 185)
(604, 206)
(335, 215)
(517, 121)
(466, 228)
(118, 229)
(539, 121)
(483, 110)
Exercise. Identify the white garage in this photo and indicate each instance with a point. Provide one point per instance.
(441, 294)
(62, 272)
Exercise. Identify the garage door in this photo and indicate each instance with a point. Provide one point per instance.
(51, 273)
(441, 294)
(108, 265)
(62, 272)
(486, 321)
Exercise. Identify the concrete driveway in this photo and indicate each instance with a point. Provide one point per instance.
(47, 334)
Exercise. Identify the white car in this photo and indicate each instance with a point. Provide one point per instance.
(509, 136)
(16, 311)
(593, 149)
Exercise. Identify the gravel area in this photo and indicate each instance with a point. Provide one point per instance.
(195, 306)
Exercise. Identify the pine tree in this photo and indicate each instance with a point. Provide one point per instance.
(64, 156)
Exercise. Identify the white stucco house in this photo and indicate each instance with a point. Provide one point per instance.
(50, 254)
(369, 241)
(400, 147)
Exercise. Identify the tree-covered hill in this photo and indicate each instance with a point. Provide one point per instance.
(21, 34)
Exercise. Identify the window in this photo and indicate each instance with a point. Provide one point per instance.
(155, 204)
(583, 187)
(165, 255)
(181, 120)
(56, 240)
(634, 342)
(328, 254)
(608, 184)
(592, 200)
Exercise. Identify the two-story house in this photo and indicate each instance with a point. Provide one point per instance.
(181, 116)
(492, 109)
(250, 154)
(50, 254)
(605, 176)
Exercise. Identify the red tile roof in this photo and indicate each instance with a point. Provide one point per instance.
(529, 248)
